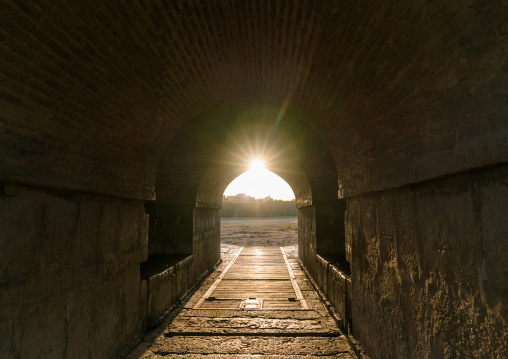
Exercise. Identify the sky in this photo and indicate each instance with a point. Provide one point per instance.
(258, 182)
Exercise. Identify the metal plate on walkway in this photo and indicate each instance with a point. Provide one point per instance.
(257, 278)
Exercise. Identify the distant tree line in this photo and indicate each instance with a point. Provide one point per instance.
(259, 208)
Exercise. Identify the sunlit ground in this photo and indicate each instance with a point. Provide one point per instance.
(237, 232)
(259, 231)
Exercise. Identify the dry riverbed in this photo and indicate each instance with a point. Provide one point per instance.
(259, 231)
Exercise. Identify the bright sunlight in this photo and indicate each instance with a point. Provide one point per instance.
(257, 165)
(259, 182)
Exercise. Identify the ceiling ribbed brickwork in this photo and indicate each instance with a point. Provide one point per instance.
(220, 146)
(401, 91)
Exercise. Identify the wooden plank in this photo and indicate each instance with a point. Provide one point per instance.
(256, 283)
(257, 286)
(238, 294)
(268, 268)
(293, 281)
(257, 272)
(256, 277)
(279, 270)
(254, 259)
(261, 263)
(217, 281)
(221, 304)
(263, 275)
(281, 304)
(261, 251)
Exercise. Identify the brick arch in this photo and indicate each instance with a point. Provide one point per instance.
(100, 102)
(217, 146)
(216, 179)
(230, 134)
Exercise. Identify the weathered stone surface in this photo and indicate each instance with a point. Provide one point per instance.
(337, 293)
(425, 287)
(362, 99)
(81, 322)
(195, 241)
(391, 71)
(41, 329)
(10, 302)
(76, 292)
(150, 355)
(307, 234)
(252, 346)
(225, 325)
(206, 240)
(248, 333)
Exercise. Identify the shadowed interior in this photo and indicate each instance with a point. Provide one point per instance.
(121, 124)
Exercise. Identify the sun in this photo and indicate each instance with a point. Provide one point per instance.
(259, 182)
(257, 165)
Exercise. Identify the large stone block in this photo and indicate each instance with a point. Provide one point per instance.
(206, 243)
(41, 328)
(133, 234)
(307, 236)
(20, 221)
(88, 235)
(429, 286)
(129, 325)
(493, 270)
(11, 300)
(81, 325)
(161, 293)
(67, 290)
(59, 226)
(336, 292)
(110, 230)
(143, 303)
(106, 314)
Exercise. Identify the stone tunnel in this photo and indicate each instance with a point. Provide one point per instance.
(122, 123)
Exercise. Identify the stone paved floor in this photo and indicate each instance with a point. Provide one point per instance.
(196, 333)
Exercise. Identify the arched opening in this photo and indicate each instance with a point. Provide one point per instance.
(409, 96)
(185, 216)
(259, 182)
(259, 209)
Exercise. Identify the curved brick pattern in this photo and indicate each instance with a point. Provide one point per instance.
(111, 84)
(388, 119)
(220, 145)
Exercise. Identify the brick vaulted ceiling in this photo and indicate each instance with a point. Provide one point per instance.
(400, 91)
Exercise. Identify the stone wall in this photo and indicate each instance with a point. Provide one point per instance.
(206, 240)
(307, 236)
(165, 289)
(321, 248)
(70, 281)
(429, 268)
(70, 272)
(186, 246)
(375, 96)
(338, 292)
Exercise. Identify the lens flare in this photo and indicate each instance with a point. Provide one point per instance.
(257, 165)
(259, 182)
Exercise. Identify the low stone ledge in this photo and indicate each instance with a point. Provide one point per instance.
(165, 278)
(159, 265)
(336, 286)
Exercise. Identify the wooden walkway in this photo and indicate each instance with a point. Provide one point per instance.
(257, 303)
(257, 278)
